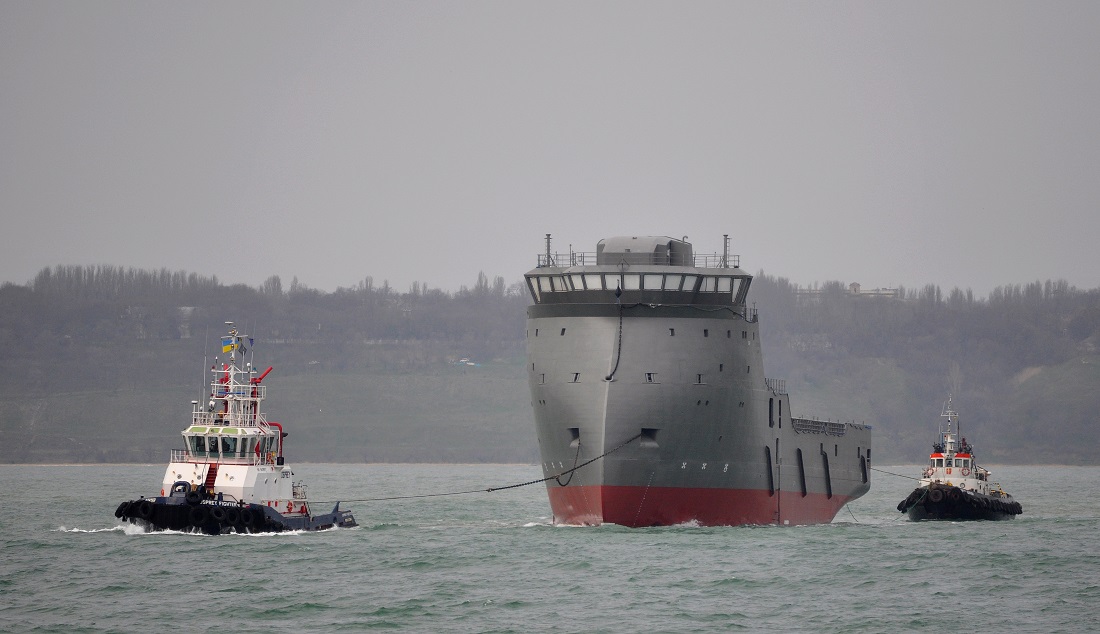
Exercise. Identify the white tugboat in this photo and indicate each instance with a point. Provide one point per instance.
(953, 486)
(231, 476)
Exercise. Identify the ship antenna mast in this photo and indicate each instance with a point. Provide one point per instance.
(725, 250)
(203, 388)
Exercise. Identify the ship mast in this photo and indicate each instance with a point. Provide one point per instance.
(948, 438)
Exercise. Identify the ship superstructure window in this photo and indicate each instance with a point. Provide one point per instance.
(699, 379)
(672, 282)
(577, 280)
(716, 284)
(632, 282)
(651, 281)
(593, 281)
(650, 377)
(563, 332)
(690, 282)
(576, 377)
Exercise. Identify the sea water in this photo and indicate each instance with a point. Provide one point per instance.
(494, 562)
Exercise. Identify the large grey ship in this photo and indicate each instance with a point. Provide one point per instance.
(644, 359)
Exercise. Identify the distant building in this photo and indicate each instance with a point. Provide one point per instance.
(854, 290)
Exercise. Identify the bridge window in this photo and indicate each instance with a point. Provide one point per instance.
(577, 281)
(672, 282)
(690, 282)
(593, 281)
(651, 281)
(724, 284)
(632, 282)
(709, 284)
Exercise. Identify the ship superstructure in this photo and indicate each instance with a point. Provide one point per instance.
(649, 351)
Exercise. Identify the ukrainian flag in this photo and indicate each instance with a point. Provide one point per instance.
(229, 344)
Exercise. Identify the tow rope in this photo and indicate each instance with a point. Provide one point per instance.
(556, 476)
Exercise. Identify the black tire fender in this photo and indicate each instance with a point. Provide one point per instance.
(197, 516)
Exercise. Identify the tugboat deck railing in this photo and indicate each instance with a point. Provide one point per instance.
(228, 419)
(182, 455)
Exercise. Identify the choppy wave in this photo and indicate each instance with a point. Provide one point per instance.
(489, 563)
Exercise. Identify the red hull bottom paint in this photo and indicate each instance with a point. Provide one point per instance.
(637, 506)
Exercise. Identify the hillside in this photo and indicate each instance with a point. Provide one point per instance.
(101, 365)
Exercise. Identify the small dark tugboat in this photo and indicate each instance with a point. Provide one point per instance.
(953, 486)
(230, 476)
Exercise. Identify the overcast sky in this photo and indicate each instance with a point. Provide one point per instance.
(886, 143)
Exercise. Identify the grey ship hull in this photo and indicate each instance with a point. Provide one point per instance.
(676, 393)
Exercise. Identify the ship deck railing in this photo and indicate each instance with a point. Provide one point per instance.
(810, 426)
(242, 391)
(578, 258)
(183, 455)
(227, 419)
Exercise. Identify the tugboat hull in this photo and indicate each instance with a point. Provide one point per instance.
(938, 502)
(215, 518)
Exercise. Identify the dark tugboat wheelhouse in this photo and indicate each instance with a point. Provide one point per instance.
(648, 355)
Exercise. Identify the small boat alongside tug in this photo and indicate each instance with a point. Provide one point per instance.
(231, 475)
(953, 486)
